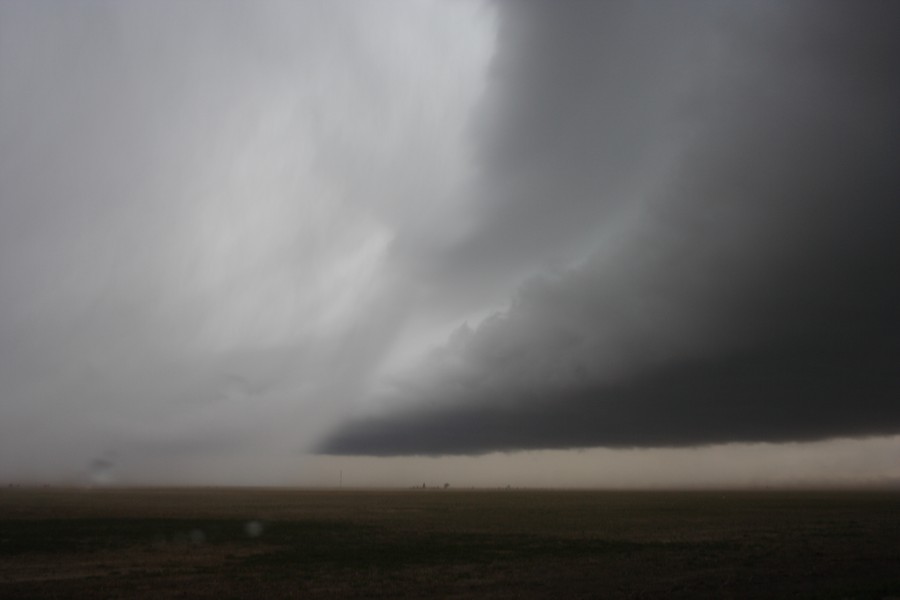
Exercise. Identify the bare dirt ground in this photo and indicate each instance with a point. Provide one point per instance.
(192, 543)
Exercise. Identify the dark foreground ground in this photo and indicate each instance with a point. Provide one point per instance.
(451, 544)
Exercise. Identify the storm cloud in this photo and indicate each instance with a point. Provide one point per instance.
(240, 241)
(699, 202)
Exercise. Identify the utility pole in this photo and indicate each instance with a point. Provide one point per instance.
(341, 479)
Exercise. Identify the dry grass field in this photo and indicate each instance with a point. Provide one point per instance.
(152, 543)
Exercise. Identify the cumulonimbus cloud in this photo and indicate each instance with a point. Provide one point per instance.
(729, 172)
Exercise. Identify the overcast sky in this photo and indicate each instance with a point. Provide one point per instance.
(536, 243)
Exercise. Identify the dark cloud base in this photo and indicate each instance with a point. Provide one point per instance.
(754, 296)
(799, 395)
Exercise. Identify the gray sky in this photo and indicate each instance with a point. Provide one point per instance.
(642, 243)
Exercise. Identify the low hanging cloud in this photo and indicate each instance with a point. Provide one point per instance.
(720, 184)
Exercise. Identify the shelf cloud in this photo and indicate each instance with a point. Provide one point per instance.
(241, 241)
(701, 200)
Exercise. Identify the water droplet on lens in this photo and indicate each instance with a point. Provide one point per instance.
(253, 528)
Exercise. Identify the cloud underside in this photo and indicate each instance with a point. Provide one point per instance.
(801, 397)
(735, 182)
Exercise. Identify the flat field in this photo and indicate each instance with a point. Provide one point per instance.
(152, 543)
